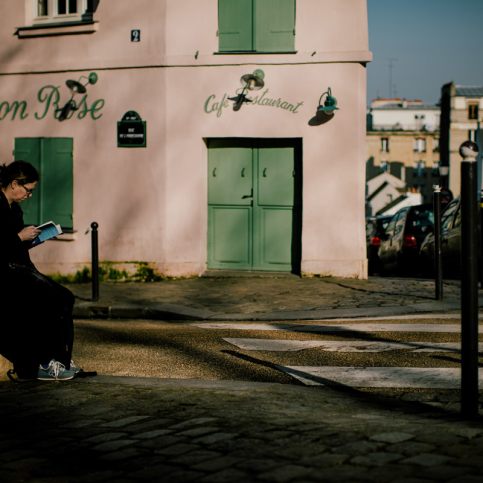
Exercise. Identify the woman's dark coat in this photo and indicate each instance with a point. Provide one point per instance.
(35, 312)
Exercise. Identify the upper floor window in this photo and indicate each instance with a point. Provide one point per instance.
(420, 145)
(385, 145)
(256, 25)
(54, 11)
(472, 111)
(436, 145)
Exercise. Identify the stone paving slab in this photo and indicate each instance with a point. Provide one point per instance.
(216, 431)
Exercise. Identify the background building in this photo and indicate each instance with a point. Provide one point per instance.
(177, 180)
(461, 109)
(403, 140)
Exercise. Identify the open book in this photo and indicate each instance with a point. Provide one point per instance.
(49, 230)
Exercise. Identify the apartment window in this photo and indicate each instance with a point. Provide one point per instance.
(435, 170)
(55, 11)
(472, 111)
(419, 145)
(256, 25)
(436, 145)
(385, 145)
(53, 198)
(419, 169)
(384, 166)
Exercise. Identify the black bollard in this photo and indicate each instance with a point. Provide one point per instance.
(95, 261)
(480, 241)
(438, 258)
(469, 281)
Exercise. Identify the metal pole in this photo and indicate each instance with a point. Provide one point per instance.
(438, 259)
(95, 261)
(480, 241)
(469, 281)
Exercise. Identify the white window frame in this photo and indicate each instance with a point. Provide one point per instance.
(53, 17)
(419, 145)
(384, 145)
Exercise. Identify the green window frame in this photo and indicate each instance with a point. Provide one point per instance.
(256, 25)
(53, 198)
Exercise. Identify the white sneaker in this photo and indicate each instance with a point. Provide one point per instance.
(55, 371)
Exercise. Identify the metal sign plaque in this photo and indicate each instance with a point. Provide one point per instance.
(131, 131)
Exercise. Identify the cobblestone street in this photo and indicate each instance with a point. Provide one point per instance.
(130, 429)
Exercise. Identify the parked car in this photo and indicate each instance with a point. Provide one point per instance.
(450, 243)
(375, 232)
(405, 233)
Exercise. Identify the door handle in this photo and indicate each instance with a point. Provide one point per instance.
(214, 172)
(265, 173)
(243, 172)
(249, 196)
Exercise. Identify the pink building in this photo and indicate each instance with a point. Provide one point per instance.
(154, 151)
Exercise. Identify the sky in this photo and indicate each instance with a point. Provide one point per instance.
(434, 42)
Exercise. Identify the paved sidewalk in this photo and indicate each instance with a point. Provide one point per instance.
(119, 429)
(231, 296)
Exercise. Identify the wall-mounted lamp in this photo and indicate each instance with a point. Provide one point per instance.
(75, 87)
(251, 82)
(329, 104)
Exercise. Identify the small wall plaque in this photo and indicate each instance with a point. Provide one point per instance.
(131, 131)
(135, 36)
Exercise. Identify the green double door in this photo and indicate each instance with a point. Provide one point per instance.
(254, 204)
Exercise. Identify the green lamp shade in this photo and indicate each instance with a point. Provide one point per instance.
(329, 105)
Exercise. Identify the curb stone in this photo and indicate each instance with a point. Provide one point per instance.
(173, 312)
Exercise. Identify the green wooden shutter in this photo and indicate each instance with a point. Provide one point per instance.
(235, 19)
(274, 25)
(53, 195)
(28, 149)
(57, 181)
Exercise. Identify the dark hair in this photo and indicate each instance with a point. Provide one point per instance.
(22, 171)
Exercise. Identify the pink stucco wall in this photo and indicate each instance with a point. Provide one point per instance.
(151, 203)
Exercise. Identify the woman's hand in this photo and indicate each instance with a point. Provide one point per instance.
(29, 233)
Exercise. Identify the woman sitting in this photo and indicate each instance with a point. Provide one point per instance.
(37, 330)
